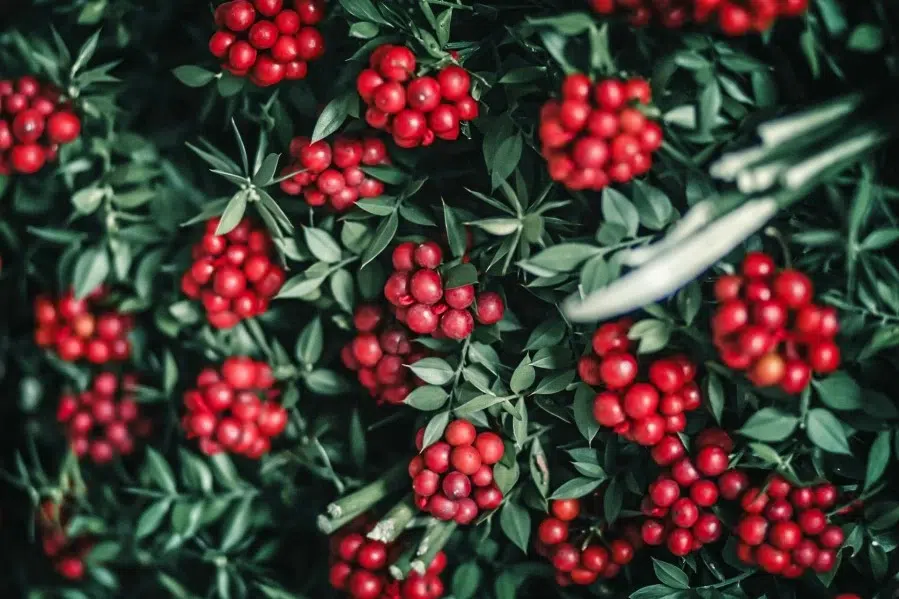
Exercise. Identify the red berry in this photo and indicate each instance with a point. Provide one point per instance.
(365, 585)
(618, 370)
(27, 158)
(684, 513)
(806, 553)
(770, 559)
(812, 521)
(490, 308)
(664, 492)
(565, 557)
(466, 459)
(825, 561)
(607, 409)
(460, 432)
(652, 532)
(610, 94)
(793, 288)
(832, 537)
(490, 447)
(372, 555)
(426, 483)
(680, 542)
(422, 319)
(667, 451)
(239, 372)
(455, 83)
(566, 509)
(684, 472)
(488, 498)
(641, 400)
(552, 531)
(707, 528)
(397, 63)
(824, 357)
(576, 87)
(649, 431)
(779, 510)
(704, 493)
(456, 485)
(711, 461)
(753, 529)
(754, 501)
(437, 457)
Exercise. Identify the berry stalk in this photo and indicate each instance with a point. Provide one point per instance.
(431, 544)
(391, 526)
(345, 509)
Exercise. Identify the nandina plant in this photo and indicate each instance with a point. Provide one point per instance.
(476, 300)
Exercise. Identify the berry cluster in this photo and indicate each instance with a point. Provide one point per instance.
(416, 290)
(450, 472)
(379, 355)
(644, 412)
(575, 562)
(767, 325)
(415, 110)
(34, 122)
(598, 133)
(269, 42)
(80, 328)
(67, 553)
(679, 501)
(233, 274)
(103, 421)
(735, 17)
(234, 409)
(785, 530)
(330, 173)
(359, 567)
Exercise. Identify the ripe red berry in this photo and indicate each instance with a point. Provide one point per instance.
(824, 357)
(684, 513)
(825, 496)
(704, 493)
(753, 529)
(652, 532)
(618, 370)
(779, 510)
(456, 485)
(364, 585)
(793, 288)
(426, 483)
(707, 529)
(490, 447)
(454, 83)
(684, 472)
(566, 509)
(422, 319)
(680, 542)
(437, 457)
(457, 324)
(641, 400)
(466, 459)
(754, 501)
(832, 537)
(460, 432)
(771, 559)
(664, 492)
(565, 557)
(649, 430)
(610, 94)
(711, 461)
(490, 308)
(27, 158)
(812, 521)
(667, 451)
(552, 531)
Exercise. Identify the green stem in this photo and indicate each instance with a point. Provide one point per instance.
(391, 526)
(434, 540)
(345, 509)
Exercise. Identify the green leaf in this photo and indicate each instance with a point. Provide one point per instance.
(618, 210)
(670, 575)
(388, 174)
(839, 391)
(364, 30)
(455, 231)
(575, 488)
(233, 214)
(466, 580)
(653, 206)
(87, 200)
(710, 101)
(461, 275)
(152, 517)
(554, 384)
(523, 376)
(878, 458)
(235, 530)
(86, 52)
(689, 300)
(427, 398)
(195, 474)
(866, 37)
(193, 76)
(299, 287)
(769, 424)
(311, 342)
(564, 257)
(159, 471)
(478, 403)
(326, 382)
(266, 171)
(516, 524)
(334, 114)
(883, 516)
(548, 333)
(657, 591)
(523, 75)
(568, 24)
(357, 439)
(506, 159)
(434, 371)
(435, 428)
(364, 10)
(539, 467)
(612, 500)
(322, 245)
(653, 335)
(715, 394)
(383, 236)
(342, 289)
(91, 270)
(583, 412)
(825, 431)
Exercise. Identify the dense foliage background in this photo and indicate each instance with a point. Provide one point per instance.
(168, 141)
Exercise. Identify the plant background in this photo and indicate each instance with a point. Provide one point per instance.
(252, 532)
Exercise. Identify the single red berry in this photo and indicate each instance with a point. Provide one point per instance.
(365, 585)
(711, 461)
(466, 459)
(753, 529)
(618, 370)
(771, 559)
(793, 288)
(422, 319)
(460, 432)
(490, 308)
(832, 537)
(680, 542)
(437, 457)
(664, 492)
(490, 447)
(610, 94)
(667, 451)
(806, 553)
(649, 430)
(704, 493)
(566, 509)
(684, 472)
(608, 410)
(652, 532)
(707, 529)
(732, 484)
(812, 521)
(552, 531)
(641, 400)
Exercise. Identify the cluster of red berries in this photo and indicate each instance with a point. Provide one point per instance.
(785, 530)
(233, 409)
(359, 567)
(598, 133)
(67, 553)
(379, 355)
(644, 412)
(453, 478)
(679, 502)
(34, 122)
(767, 325)
(233, 274)
(269, 42)
(735, 17)
(80, 328)
(330, 173)
(415, 110)
(416, 290)
(103, 421)
(580, 563)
